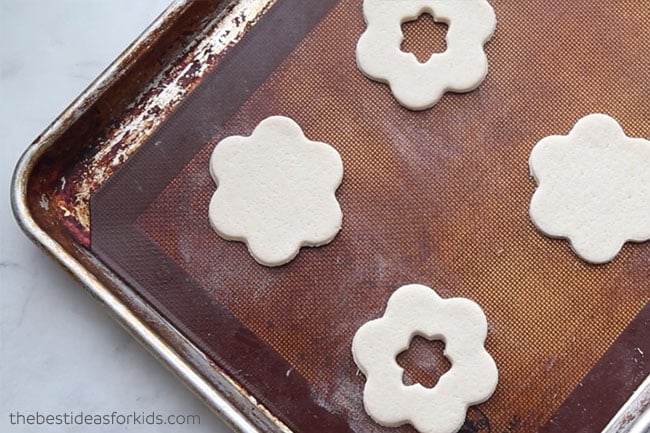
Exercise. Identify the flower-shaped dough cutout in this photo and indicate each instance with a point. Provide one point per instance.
(593, 188)
(418, 86)
(276, 191)
(418, 310)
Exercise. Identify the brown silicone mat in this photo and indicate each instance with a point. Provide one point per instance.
(438, 197)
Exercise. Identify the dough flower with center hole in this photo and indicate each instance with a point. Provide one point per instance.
(417, 310)
(418, 86)
(593, 188)
(276, 191)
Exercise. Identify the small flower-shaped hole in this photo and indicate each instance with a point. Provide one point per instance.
(424, 37)
(424, 362)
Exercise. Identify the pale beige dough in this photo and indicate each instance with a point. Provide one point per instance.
(418, 310)
(276, 191)
(418, 86)
(593, 188)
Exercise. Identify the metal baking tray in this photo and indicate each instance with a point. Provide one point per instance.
(116, 190)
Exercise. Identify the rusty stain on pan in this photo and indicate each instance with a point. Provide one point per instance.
(139, 119)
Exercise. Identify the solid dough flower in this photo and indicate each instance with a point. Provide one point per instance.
(276, 191)
(416, 310)
(418, 86)
(593, 188)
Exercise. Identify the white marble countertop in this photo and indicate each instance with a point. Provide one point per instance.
(60, 352)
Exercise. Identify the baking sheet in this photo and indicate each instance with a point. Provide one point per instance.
(438, 197)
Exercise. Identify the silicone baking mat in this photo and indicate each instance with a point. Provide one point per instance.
(438, 197)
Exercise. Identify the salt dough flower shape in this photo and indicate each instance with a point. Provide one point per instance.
(276, 191)
(418, 86)
(417, 310)
(593, 188)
